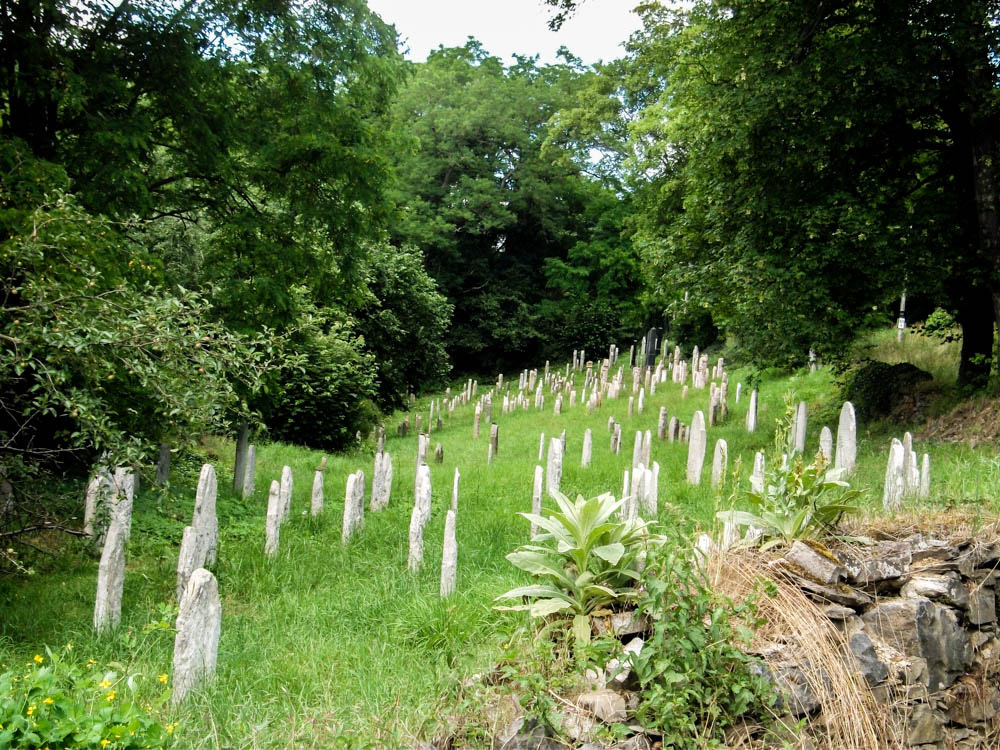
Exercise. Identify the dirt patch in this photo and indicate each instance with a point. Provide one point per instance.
(975, 422)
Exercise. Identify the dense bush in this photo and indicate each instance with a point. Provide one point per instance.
(876, 388)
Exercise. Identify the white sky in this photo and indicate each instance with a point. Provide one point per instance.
(595, 32)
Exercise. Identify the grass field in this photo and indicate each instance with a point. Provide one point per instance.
(329, 645)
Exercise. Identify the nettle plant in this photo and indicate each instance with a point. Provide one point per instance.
(586, 559)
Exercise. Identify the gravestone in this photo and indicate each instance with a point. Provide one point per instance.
(110, 580)
(449, 556)
(925, 478)
(642, 400)
(198, 625)
(475, 421)
(274, 518)
(757, 477)
(847, 439)
(553, 466)
(286, 492)
(696, 448)
(316, 499)
(719, 461)
(637, 449)
(799, 429)
(239, 466)
(631, 405)
(438, 454)
(190, 558)
(826, 444)
(383, 477)
(454, 490)
(673, 429)
(419, 517)
(647, 448)
(588, 448)
(122, 496)
(494, 438)
(250, 472)
(205, 521)
(895, 486)
(541, 446)
(751, 422)
(354, 506)
(661, 424)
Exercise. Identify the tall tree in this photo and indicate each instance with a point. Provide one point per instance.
(802, 164)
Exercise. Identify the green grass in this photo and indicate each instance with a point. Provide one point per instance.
(939, 358)
(329, 645)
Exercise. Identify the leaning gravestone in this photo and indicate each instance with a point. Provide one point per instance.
(847, 439)
(110, 580)
(274, 518)
(697, 445)
(199, 625)
(205, 521)
(449, 556)
(419, 517)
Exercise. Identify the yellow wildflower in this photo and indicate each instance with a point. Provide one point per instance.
(39, 659)
(47, 701)
(104, 743)
(110, 696)
(105, 684)
(162, 678)
(31, 710)
(69, 646)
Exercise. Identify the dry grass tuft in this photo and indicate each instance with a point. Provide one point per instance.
(949, 525)
(850, 718)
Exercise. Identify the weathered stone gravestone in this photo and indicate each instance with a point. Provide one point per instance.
(646, 452)
(475, 421)
(757, 477)
(494, 439)
(588, 448)
(661, 424)
(752, 412)
(799, 425)
(316, 500)
(381, 481)
(925, 478)
(895, 483)
(454, 490)
(438, 454)
(110, 580)
(631, 405)
(719, 462)
(673, 429)
(536, 496)
(541, 446)
(250, 472)
(826, 444)
(240, 463)
(847, 439)
(696, 448)
(286, 492)
(274, 519)
(418, 518)
(354, 506)
(553, 466)
(205, 521)
(199, 625)
(449, 556)
(637, 449)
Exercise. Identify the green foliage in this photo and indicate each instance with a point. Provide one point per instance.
(695, 682)
(54, 703)
(941, 325)
(796, 502)
(875, 388)
(595, 562)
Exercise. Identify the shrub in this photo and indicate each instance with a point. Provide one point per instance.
(876, 388)
(56, 704)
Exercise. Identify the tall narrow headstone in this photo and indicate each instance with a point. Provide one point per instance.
(494, 439)
(205, 520)
(110, 580)
(847, 438)
(925, 478)
(673, 427)
(826, 444)
(752, 412)
(199, 625)
(757, 477)
(274, 518)
(477, 415)
(419, 517)
(454, 490)
(719, 461)
(354, 506)
(449, 556)
(799, 429)
(646, 452)
(190, 558)
(661, 424)
(588, 448)
(541, 446)
(696, 448)
(438, 454)
(553, 466)
(316, 500)
(250, 472)
(286, 492)
(122, 496)
(895, 486)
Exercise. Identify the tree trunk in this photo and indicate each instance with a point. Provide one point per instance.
(239, 468)
(975, 315)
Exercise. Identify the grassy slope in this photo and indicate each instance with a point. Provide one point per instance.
(330, 645)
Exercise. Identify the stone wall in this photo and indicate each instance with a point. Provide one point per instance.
(920, 618)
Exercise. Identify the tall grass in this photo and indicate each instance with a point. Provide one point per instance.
(332, 645)
(939, 358)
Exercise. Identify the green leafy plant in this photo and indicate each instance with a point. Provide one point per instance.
(796, 501)
(595, 562)
(54, 703)
(695, 682)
